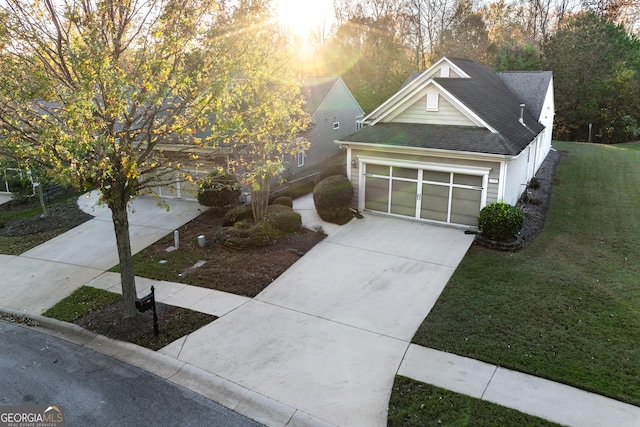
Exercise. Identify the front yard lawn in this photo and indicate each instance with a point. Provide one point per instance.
(417, 404)
(567, 307)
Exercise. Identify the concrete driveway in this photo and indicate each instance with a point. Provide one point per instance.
(42, 276)
(328, 336)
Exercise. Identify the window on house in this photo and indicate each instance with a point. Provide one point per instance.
(359, 121)
(300, 158)
(432, 100)
(336, 125)
(444, 70)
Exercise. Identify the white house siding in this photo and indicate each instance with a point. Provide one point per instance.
(547, 115)
(447, 114)
(516, 176)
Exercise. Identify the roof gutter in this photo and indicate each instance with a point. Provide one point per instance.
(436, 152)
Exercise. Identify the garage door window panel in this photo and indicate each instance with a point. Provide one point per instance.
(465, 205)
(435, 202)
(403, 198)
(377, 194)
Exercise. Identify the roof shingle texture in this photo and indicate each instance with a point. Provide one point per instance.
(488, 96)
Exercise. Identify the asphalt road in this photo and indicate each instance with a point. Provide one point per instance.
(94, 389)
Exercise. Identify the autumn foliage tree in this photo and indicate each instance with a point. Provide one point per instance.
(94, 89)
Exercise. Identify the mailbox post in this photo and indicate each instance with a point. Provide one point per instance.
(145, 303)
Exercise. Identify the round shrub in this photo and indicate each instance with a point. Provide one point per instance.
(283, 218)
(284, 201)
(332, 170)
(237, 214)
(219, 189)
(241, 237)
(332, 197)
(500, 221)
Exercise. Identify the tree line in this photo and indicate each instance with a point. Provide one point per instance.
(591, 46)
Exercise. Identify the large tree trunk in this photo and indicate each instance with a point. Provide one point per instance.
(121, 226)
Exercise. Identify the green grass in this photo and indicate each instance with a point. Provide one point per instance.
(81, 301)
(566, 308)
(15, 245)
(26, 213)
(174, 323)
(176, 262)
(415, 404)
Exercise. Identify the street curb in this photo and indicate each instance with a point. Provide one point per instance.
(233, 396)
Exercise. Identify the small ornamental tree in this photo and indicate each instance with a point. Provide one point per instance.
(500, 221)
(98, 91)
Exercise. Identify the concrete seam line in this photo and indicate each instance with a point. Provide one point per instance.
(488, 383)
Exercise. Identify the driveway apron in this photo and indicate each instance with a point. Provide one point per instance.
(328, 336)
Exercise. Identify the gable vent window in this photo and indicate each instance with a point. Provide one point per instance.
(336, 125)
(432, 100)
(444, 70)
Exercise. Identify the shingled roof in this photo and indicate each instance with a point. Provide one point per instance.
(527, 86)
(441, 137)
(487, 95)
(315, 90)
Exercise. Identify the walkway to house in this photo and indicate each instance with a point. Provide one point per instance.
(319, 346)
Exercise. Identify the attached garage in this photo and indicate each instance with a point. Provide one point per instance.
(453, 139)
(433, 192)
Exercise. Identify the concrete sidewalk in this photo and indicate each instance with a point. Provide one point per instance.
(553, 401)
(4, 198)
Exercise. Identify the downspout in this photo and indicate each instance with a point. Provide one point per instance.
(349, 167)
(501, 183)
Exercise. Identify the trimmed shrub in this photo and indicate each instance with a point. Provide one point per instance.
(283, 218)
(332, 170)
(284, 201)
(500, 221)
(237, 214)
(240, 236)
(219, 189)
(332, 198)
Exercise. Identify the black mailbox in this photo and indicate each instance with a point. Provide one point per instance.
(145, 303)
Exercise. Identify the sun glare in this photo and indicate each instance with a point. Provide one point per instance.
(303, 16)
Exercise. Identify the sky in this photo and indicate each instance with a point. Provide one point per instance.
(301, 16)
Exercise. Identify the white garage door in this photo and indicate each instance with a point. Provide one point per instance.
(445, 196)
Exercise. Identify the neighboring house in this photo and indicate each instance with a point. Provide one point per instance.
(453, 139)
(334, 112)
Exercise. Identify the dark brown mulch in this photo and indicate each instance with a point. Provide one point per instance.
(536, 212)
(243, 272)
(173, 323)
(62, 215)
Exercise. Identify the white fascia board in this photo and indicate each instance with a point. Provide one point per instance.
(408, 90)
(416, 164)
(477, 120)
(435, 152)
